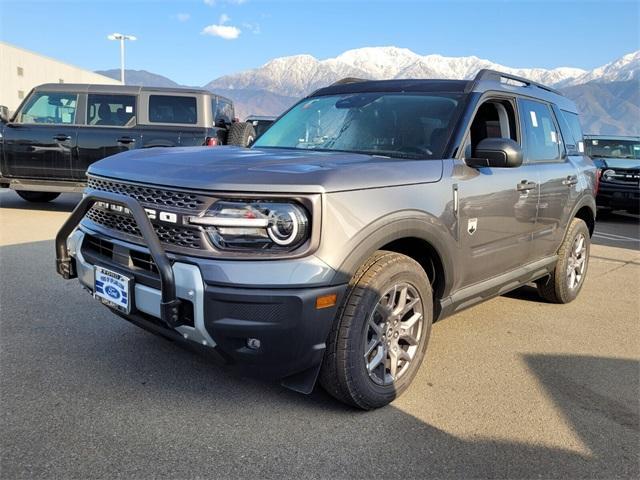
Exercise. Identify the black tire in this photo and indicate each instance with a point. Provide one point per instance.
(344, 372)
(557, 287)
(38, 197)
(241, 134)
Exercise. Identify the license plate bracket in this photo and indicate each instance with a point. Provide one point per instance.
(113, 289)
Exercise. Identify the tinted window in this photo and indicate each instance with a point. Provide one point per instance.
(542, 140)
(399, 125)
(114, 110)
(224, 111)
(58, 108)
(574, 125)
(170, 109)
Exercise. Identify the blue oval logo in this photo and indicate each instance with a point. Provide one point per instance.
(112, 292)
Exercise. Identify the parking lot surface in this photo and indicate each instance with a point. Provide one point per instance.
(511, 388)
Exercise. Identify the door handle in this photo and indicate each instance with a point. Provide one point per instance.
(570, 180)
(61, 137)
(126, 140)
(525, 186)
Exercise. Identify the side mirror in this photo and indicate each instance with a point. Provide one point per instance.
(497, 153)
(4, 114)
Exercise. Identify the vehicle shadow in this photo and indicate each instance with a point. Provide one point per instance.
(85, 394)
(64, 203)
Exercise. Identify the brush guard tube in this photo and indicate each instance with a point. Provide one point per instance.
(65, 266)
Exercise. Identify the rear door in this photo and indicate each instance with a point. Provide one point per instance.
(40, 142)
(110, 128)
(544, 149)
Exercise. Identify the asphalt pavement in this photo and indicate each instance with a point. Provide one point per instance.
(512, 388)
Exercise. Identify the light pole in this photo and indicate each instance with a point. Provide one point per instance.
(122, 38)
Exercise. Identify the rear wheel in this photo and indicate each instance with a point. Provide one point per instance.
(241, 134)
(380, 336)
(39, 197)
(564, 284)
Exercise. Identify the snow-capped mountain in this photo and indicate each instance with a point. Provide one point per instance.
(297, 75)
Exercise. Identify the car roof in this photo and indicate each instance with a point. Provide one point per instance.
(122, 89)
(485, 81)
(261, 117)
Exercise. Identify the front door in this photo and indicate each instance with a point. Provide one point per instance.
(40, 143)
(497, 206)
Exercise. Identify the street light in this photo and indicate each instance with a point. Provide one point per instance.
(122, 38)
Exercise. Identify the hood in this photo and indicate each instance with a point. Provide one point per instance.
(264, 170)
(627, 163)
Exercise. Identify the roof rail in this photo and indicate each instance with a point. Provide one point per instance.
(344, 81)
(496, 76)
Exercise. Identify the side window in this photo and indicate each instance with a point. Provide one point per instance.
(111, 110)
(54, 108)
(224, 112)
(576, 129)
(172, 109)
(542, 141)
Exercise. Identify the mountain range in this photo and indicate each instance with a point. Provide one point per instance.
(608, 96)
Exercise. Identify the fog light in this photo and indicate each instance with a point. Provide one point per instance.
(326, 301)
(253, 343)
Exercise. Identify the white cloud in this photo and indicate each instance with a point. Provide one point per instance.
(252, 27)
(227, 32)
(211, 3)
(183, 17)
(224, 18)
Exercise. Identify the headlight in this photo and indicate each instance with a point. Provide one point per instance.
(608, 175)
(255, 225)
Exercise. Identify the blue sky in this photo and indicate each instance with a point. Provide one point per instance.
(171, 41)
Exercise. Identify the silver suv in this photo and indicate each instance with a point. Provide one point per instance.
(367, 211)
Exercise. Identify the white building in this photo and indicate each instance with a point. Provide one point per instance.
(21, 70)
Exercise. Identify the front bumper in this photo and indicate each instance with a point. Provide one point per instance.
(275, 333)
(618, 196)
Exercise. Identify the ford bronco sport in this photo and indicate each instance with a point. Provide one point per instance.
(618, 163)
(61, 129)
(367, 211)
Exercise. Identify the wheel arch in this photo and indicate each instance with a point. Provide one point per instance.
(419, 236)
(584, 209)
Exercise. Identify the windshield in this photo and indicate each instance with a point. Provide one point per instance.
(399, 125)
(613, 148)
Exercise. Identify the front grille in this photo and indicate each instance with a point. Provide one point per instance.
(624, 176)
(150, 195)
(170, 235)
(123, 256)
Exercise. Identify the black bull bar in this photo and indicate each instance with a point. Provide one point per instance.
(65, 266)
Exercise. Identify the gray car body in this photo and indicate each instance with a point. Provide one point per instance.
(363, 203)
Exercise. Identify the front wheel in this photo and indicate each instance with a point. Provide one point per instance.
(567, 278)
(380, 336)
(38, 197)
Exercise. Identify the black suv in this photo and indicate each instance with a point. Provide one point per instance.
(618, 162)
(364, 213)
(61, 129)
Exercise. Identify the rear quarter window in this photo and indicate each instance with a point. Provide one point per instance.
(573, 121)
(172, 109)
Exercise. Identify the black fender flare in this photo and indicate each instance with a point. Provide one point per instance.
(397, 226)
(583, 201)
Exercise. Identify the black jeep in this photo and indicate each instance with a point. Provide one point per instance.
(61, 129)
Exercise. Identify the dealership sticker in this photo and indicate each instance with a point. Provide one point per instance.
(534, 119)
